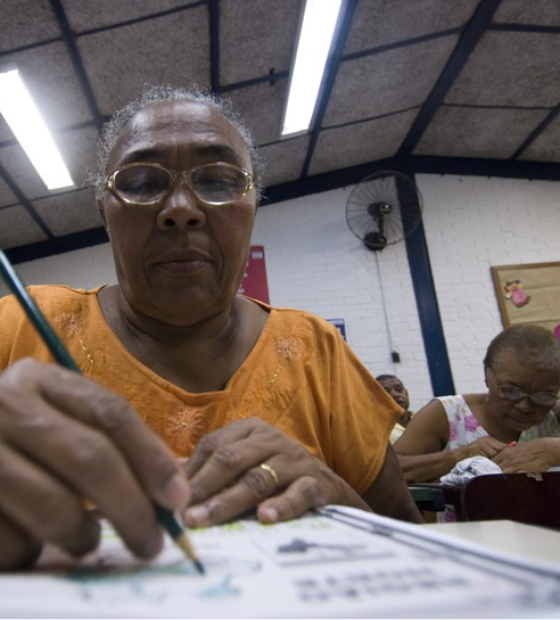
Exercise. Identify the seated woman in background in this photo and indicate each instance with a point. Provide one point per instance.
(512, 424)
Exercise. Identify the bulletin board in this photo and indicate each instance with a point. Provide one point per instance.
(529, 294)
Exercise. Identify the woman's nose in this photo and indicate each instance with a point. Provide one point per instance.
(525, 404)
(181, 208)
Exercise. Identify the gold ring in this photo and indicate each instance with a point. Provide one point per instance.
(271, 471)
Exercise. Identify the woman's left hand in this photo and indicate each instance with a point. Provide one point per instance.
(536, 455)
(250, 464)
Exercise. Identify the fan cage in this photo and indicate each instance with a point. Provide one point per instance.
(380, 205)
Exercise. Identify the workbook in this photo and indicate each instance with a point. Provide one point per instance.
(337, 562)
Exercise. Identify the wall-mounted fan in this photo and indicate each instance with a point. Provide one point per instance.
(376, 208)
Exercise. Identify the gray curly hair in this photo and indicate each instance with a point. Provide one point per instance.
(167, 92)
(535, 345)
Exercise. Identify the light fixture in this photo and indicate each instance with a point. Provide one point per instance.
(314, 42)
(24, 119)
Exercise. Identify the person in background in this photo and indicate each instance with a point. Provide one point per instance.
(512, 424)
(270, 406)
(395, 388)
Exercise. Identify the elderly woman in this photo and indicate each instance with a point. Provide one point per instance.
(512, 424)
(272, 408)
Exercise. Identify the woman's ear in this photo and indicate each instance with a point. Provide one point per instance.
(486, 372)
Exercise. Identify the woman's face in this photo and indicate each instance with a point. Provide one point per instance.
(509, 370)
(181, 261)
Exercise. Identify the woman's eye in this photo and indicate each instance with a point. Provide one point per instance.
(142, 181)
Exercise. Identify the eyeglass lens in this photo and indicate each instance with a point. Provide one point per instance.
(214, 183)
(510, 392)
(142, 183)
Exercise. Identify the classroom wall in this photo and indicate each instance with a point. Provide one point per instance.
(314, 262)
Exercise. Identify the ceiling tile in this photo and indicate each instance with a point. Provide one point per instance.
(70, 212)
(283, 161)
(536, 12)
(547, 146)
(165, 49)
(87, 15)
(26, 22)
(250, 45)
(361, 143)
(6, 195)
(18, 166)
(478, 132)
(387, 21)
(511, 69)
(261, 107)
(387, 82)
(79, 150)
(17, 228)
(52, 82)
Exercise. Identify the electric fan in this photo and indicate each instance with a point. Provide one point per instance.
(383, 209)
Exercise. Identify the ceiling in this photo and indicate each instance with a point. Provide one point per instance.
(457, 86)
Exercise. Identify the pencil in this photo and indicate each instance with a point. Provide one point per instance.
(178, 534)
(165, 517)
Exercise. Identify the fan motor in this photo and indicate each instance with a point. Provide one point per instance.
(375, 241)
(376, 209)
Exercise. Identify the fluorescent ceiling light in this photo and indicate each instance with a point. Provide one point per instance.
(315, 37)
(24, 119)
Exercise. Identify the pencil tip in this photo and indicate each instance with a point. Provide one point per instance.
(185, 544)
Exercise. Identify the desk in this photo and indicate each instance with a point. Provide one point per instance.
(528, 541)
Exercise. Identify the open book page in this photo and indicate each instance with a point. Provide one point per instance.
(337, 563)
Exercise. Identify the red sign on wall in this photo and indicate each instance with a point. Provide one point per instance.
(254, 283)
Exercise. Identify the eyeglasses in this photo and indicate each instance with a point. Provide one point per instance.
(214, 184)
(514, 394)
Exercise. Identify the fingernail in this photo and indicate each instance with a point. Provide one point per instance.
(196, 516)
(178, 491)
(268, 515)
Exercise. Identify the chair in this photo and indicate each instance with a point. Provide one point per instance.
(527, 498)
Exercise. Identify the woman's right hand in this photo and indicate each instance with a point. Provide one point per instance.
(483, 446)
(64, 438)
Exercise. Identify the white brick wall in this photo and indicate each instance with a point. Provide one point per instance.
(315, 263)
(85, 268)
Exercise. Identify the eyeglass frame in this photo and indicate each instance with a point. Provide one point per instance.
(110, 182)
(523, 394)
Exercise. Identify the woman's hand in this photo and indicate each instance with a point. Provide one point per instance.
(64, 439)
(250, 464)
(536, 455)
(483, 446)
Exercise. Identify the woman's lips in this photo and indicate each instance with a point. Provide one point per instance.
(183, 266)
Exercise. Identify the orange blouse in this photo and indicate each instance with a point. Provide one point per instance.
(301, 377)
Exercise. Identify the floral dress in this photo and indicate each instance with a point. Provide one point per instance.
(464, 428)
